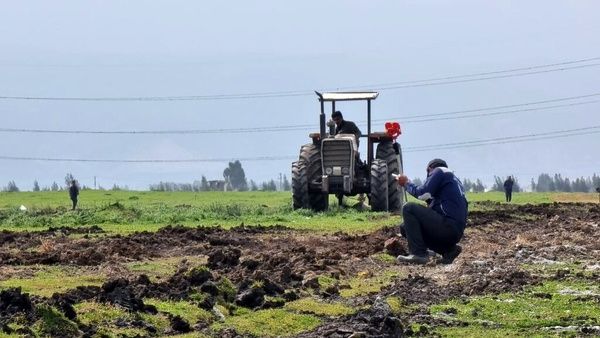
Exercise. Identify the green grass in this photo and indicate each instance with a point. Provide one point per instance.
(48, 280)
(53, 323)
(566, 268)
(158, 268)
(186, 310)
(550, 304)
(270, 323)
(398, 306)
(106, 317)
(320, 308)
(125, 212)
(128, 211)
(360, 286)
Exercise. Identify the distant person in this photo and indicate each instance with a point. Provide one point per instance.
(74, 192)
(508, 187)
(439, 226)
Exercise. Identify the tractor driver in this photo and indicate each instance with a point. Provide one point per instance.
(345, 127)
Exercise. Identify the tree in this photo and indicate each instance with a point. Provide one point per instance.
(545, 183)
(11, 187)
(417, 181)
(498, 184)
(253, 186)
(36, 186)
(54, 186)
(467, 184)
(204, 184)
(478, 187)
(235, 176)
(269, 186)
(286, 184)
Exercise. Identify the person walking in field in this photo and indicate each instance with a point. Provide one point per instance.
(508, 187)
(439, 226)
(74, 193)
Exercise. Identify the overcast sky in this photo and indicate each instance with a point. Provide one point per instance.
(193, 48)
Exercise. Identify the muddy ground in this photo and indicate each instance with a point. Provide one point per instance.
(288, 263)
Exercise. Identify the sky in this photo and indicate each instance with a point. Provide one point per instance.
(124, 49)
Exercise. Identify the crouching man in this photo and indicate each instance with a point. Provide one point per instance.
(440, 225)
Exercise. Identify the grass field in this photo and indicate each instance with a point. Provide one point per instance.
(533, 309)
(129, 211)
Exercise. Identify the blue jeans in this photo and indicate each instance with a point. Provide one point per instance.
(425, 229)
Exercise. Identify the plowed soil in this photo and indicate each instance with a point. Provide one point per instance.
(496, 244)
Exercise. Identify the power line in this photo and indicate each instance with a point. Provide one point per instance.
(381, 87)
(405, 120)
(197, 160)
(507, 139)
(444, 146)
(453, 77)
(499, 107)
(483, 78)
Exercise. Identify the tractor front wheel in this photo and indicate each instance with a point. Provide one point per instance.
(310, 157)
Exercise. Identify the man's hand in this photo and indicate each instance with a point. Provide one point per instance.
(402, 179)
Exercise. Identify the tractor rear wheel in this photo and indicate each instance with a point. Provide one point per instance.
(310, 154)
(299, 185)
(379, 186)
(387, 153)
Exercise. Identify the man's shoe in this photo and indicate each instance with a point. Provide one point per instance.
(431, 253)
(451, 255)
(413, 259)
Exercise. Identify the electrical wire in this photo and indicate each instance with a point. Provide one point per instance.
(566, 65)
(444, 146)
(404, 120)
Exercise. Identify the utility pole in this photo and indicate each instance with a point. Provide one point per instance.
(280, 182)
(94, 182)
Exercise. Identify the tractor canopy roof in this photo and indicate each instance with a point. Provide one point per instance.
(347, 96)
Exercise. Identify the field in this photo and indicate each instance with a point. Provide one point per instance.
(246, 264)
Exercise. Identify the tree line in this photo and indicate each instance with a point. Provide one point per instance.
(234, 179)
(544, 183)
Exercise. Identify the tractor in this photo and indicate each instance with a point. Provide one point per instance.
(330, 164)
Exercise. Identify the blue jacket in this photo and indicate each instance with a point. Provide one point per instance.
(446, 195)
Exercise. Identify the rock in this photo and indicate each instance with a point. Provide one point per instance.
(332, 290)
(290, 295)
(272, 288)
(178, 324)
(273, 303)
(251, 298)
(359, 334)
(394, 247)
(210, 287)
(208, 303)
(198, 276)
(310, 280)
(223, 257)
(143, 279)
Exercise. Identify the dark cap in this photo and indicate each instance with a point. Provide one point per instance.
(336, 113)
(437, 162)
